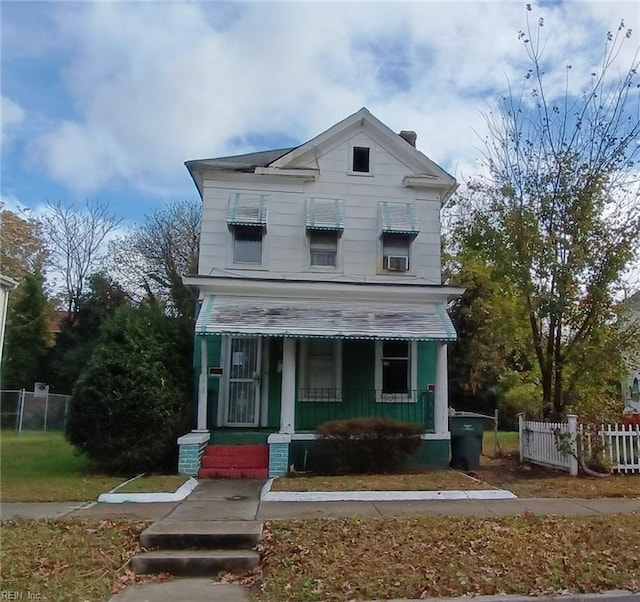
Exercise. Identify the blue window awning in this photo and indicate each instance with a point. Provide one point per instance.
(398, 218)
(271, 317)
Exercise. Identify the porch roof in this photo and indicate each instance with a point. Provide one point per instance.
(233, 316)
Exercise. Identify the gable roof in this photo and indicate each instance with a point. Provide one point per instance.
(426, 171)
(393, 142)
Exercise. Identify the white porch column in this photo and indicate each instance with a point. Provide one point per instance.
(288, 395)
(203, 386)
(441, 401)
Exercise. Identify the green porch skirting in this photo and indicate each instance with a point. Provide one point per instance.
(305, 455)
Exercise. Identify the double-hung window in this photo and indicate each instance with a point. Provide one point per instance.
(247, 221)
(323, 249)
(320, 370)
(395, 371)
(247, 245)
(324, 222)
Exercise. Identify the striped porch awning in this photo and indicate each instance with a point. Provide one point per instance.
(398, 218)
(247, 210)
(324, 214)
(264, 317)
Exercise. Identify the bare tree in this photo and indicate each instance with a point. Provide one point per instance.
(153, 258)
(76, 240)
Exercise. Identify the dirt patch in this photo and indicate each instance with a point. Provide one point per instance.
(529, 480)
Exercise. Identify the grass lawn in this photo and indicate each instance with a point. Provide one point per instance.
(433, 480)
(72, 561)
(507, 443)
(370, 558)
(154, 483)
(42, 467)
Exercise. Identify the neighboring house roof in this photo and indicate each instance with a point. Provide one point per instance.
(634, 300)
(302, 158)
(7, 283)
(55, 322)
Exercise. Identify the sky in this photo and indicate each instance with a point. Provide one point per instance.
(107, 100)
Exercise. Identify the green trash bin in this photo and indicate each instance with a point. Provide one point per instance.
(466, 439)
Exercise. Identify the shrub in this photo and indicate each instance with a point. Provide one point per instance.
(368, 444)
(131, 402)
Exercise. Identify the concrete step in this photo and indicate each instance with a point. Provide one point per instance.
(183, 534)
(194, 563)
(233, 473)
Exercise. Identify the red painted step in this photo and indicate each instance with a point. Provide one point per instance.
(233, 473)
(235, 461)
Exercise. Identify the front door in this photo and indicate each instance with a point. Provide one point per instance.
(243, 385)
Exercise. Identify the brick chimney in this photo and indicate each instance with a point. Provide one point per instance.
(409, 136)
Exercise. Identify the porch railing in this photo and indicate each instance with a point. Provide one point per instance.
(315, 406)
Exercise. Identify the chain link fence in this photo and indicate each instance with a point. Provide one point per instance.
(28, 411)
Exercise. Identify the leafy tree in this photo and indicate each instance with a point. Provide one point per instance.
(76, 239)
(26, 336)
(560, 216)
(78, 337)
(21, 246)
(153, 258)
(131, 401)
(492, 353)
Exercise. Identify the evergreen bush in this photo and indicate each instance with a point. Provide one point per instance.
(368, 445)
(131, 401)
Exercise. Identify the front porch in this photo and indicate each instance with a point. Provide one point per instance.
(249, 393)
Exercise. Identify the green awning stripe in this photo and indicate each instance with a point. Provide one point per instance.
(326, 336)
(446, 322)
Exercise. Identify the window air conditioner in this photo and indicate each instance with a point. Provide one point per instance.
(396, 263)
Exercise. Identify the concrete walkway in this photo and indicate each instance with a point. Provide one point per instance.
(481, 508)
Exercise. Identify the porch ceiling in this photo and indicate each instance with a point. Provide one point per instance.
(233, 316)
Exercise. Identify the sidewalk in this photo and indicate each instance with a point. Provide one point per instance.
(212, 498)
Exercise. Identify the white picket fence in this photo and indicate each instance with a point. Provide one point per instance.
(555, 444)
(620, 446)
(539, 443)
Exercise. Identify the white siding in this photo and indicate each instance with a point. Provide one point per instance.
(285, 248)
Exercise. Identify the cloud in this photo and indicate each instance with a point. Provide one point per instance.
(13, 115)
(154, 84)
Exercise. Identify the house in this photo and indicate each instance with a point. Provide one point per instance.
(321, 297)
(6, 285)
(631, 387)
